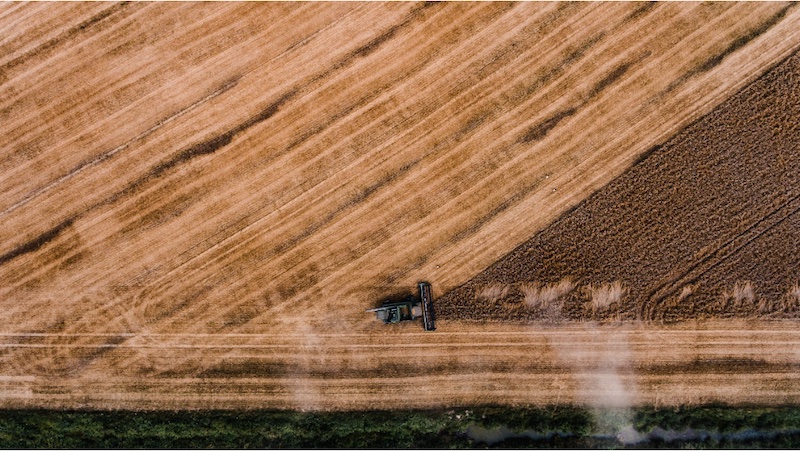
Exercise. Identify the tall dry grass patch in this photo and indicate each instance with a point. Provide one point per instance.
(606, 294)
(686, 291)
(742, 295)
(791, 300)
(494, 292)
(543, 296)
(794, 293)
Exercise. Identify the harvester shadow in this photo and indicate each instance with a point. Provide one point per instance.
(395, 297)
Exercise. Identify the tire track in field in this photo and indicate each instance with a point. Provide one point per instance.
(43, 49)
(727, 361)
(203, 148)
(92, 160)
(572, 57)
(228, 235)
(227, 85)
(737, 44)
(365, 194)
(536, 133)
(46, 237)
(342, 64)
(69, 352)
(717, 255)
(363, 52)
(358, 195)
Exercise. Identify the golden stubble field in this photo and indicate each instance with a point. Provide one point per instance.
(199, 200)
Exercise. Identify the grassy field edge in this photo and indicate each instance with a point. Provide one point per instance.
(487, 426)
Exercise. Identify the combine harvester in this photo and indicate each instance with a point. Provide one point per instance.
(409, 309)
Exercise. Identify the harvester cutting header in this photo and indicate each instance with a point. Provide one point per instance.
(410, 309)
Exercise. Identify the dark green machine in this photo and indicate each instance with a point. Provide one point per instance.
(409, 309)
(394, 312)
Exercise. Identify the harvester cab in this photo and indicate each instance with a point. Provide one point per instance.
(395, 312)
(409, 309)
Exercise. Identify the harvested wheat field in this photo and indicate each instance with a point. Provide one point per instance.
(199, 201)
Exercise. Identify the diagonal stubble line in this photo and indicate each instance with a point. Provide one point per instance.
(304, 235)
(57, 41)
(203, 148)
(227, 85)
(617, 71)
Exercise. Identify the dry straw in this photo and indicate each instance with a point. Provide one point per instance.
(791, 301)
(494, 292)
(743, 294)
(605, 294)
(794, 293)
(686, 292)
(542, 296)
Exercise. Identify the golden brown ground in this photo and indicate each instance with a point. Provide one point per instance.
(274, 169)
(589, 364)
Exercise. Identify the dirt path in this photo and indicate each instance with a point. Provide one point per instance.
(589, 364)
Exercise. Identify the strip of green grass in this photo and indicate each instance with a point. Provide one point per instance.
(222, 429)
(568, 427)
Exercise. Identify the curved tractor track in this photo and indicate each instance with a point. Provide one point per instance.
(186, 174)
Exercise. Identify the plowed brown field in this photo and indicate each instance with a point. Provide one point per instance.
(199, 200)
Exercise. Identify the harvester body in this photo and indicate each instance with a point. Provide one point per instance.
(395, 312)
(409, 309)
